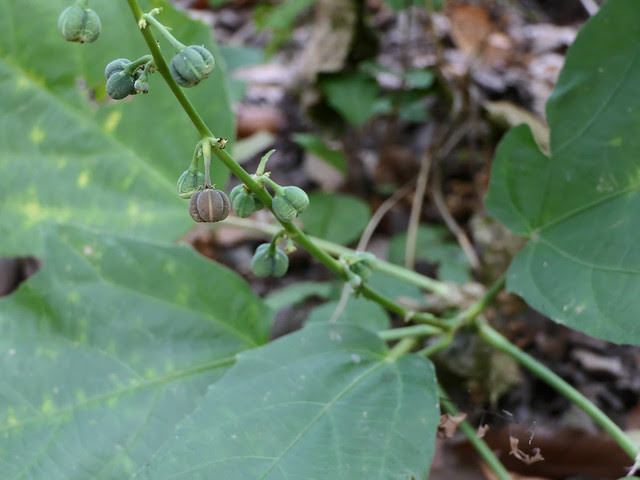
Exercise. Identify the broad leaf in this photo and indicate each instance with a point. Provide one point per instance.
(326, 402)
(108, 347)
(67, 153)
(579, 208)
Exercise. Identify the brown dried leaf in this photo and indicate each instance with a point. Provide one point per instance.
(482, 430)
(470, 26)
(523, 457)
(449, 424)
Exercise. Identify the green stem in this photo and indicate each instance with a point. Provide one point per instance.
(412, 331)
(492, 337)
(84, 4)
(403, 346)
(259, 190)
(277, 189)
(441, 344)
(133, 66)
(206, 155)
(468, 315)
(177, 45)
(478, 443)
(383, 266)
(407, 315)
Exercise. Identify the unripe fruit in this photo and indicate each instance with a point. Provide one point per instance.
(244, 202)
(188, 183)
(116, 66)
(209, 205)
(120, 85)
(290, 203)
(269, 261)
(80, 25)
(191, 65)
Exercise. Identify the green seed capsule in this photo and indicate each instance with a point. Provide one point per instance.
(290, 203)
(192, 65)
(80, 25)
(116, 66)
(209, 206)
(269, 261)
(120, 85)
(244, 202)
(188, 183)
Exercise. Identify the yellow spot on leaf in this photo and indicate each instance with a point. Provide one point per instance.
(112, 121)
(36, 135)
(83, 179)
(133, 210)
(47, 405)
(616, 142)
(33, 210)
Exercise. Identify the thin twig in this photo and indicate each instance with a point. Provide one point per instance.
(416, 209)
(382, 210)
(463, 240)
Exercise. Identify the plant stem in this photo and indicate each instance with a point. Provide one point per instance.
(403, 346)
(441, 344)
(383, 266)
(412, 331)
(178, 46)
(478, 443)
(259, 190)
(478, 307)
(492, 337)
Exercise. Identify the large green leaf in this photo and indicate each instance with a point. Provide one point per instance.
(69, 154)
(108, 347)
(580, 207)
(326, 402)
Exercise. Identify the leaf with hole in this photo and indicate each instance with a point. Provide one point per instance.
(108, 347)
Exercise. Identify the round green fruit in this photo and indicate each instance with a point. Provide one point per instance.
(269, 261)
(191, 65)
(80, 25)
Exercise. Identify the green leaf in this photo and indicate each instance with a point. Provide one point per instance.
(354, 96)
(419, 78)
(335, 217)
(432, 245)
(357, 311)
(67, 154)
(579, 208)
(108, 347)
(323, 403)
(316, 146)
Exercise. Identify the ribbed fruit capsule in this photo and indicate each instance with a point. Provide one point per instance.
(269, 261)
(189, 183)
(77, 24)
(290, 203)
(191, 65)
(116, 66)
(209, 205)
(244, 202)
(120, 85)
